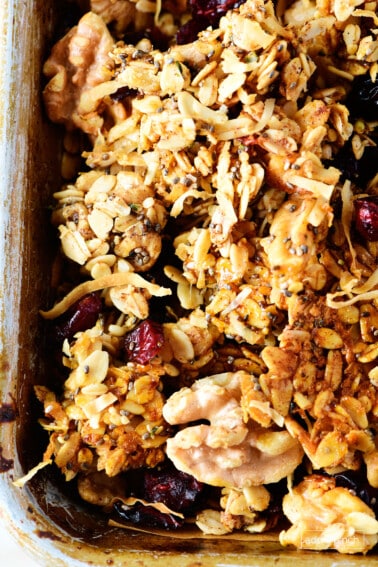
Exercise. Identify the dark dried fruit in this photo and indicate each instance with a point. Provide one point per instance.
(190, 30)
(179, 491)
(147, 516)
(360, 171)
(362, 101)
(205, 13)
(213, 10)
(366, 217)
(144, 342)
(357, 483)
(79, 317)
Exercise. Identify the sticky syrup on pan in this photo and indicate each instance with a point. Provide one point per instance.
(7, 413)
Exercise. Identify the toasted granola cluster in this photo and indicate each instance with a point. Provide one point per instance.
(109, 417)
(222, 150)
(328, 516)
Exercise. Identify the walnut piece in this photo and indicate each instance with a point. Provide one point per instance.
(229, 452)
(119, 12)
(78, 62)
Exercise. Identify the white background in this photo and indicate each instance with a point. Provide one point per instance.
(10, 552)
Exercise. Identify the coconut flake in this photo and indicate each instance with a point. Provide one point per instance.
(266, 115)
(346, 218)
(190, 107)
(20, 482)
(178, 205)
(111, 280)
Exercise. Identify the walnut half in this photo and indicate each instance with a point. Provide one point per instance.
(78, 62)
(229, 451)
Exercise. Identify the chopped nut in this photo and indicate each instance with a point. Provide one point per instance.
(204, 450)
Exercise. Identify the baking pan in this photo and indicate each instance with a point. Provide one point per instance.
(45, 516)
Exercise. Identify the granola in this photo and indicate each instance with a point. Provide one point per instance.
(212, 182)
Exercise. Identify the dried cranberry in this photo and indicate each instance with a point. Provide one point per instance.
(147, 516)
(366, 213)
(190, 30)
(144, 342)
(213, 10)
(205, 13)
(179, 491)
(79, 317)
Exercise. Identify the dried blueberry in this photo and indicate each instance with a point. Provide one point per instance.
(179, 491)
(362, 101)
(359, 171)
(147, 516)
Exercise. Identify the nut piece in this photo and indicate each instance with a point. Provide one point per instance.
(228, 452)
(86, 47)
(120, 12)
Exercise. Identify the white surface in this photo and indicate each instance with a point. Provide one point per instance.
(10, 552)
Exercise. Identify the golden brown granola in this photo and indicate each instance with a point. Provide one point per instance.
(229, 140)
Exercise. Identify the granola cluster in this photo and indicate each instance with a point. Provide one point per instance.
(211, 163)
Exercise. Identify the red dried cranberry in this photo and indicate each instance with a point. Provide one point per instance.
(366, 213)
(179, 491)
(205, 13)
(213, 9)
(79, 317)
(189, 31)
(144, 342)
